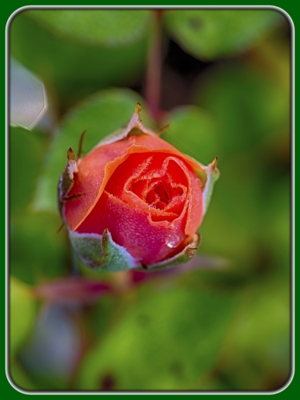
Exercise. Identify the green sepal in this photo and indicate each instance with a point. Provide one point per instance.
(101, 252)
(212, 175)
(181, 258)
(134, 127)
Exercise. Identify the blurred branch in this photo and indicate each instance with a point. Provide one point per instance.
(153, 73)
(73, 290)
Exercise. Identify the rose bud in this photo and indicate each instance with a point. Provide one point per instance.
(134, 201)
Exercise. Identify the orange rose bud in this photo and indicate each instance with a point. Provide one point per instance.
(135, 200)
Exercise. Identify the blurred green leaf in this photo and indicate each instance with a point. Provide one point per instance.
(246, 106)
(258, 341)
(276, 233)
(22, 312)
(105, 27)
(72, 69)
(102, 315)
(37, 251)
(26, 152)
(166, 340)
(99, 115)
(193, 131)
(20, 377)
(208, 34)
(251, 114)
(239, 220)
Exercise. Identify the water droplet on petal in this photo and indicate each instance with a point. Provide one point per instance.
(173, 241)
(199, 182)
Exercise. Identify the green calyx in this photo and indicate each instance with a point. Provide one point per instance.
(212, 175)
(101, 252)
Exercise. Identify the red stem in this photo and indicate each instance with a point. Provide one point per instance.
(153, 74)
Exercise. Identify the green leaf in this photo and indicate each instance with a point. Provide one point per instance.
(251, 113)
(71, 68)
(22, 313)
(258, 340)
(26, 152)
(105, 27)
(101, 252)
(37, 250)
(20, 378)
(193, 131)
(165, 340)
(277, 234)
(246, 106)
(100, 116)
(208, 34)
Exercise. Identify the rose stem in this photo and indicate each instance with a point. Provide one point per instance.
(153, 73)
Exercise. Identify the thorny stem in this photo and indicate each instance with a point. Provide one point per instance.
(153, 73)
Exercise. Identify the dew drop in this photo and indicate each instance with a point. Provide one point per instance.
(199, 182)
(173, 241)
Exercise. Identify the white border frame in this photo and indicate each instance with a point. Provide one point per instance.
(292, 283)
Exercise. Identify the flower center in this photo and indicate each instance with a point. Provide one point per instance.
(153, 182)
(161, 194)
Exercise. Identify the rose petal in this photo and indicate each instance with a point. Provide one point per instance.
(155, 172)
(145, 240)
(196, 210)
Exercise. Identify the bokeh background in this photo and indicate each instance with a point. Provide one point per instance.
(225, 90)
